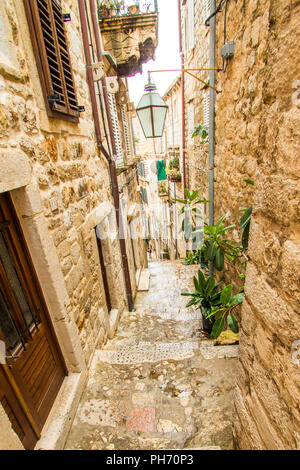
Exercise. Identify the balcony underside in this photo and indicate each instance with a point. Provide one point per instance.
(131, 40)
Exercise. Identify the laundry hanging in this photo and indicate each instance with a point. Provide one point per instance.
(161, 170)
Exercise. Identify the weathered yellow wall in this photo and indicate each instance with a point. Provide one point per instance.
(257, 137)
(71, 175)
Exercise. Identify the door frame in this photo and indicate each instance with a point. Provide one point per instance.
(21, 255)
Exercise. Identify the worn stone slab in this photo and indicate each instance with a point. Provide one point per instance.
(17, 170)
(209, 351)
(141, 420)
(144, 283)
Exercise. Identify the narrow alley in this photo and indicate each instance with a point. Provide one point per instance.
(160, 383)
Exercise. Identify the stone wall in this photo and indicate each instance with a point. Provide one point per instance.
(195, 93)
(71, 175)
(257, 137)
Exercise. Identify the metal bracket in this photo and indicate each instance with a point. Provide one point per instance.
(66, 17)
(98, 71)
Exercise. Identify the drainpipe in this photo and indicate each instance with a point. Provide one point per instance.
(182, 97)
(211, 132)
(112, 166)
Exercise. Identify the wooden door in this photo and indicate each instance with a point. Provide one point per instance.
(29, 381)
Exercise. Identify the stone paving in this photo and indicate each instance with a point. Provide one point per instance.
(160, 383)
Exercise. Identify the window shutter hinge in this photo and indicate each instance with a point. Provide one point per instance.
(52, 100)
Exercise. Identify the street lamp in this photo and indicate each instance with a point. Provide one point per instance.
(152, 111)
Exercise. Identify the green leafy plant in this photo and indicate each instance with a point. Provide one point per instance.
(245, 226)
(192, 215)
(162, 188)
(193, 258)
(202, 131)
(223, 312)
(174, 164)
(215, 247)
(206, 295)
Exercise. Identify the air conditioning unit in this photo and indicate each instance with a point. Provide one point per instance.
(112, 85)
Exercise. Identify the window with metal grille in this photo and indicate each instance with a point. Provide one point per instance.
(116, 128)
(47, 28)
(126, 130)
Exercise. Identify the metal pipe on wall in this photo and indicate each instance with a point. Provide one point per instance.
(111, 162)
(182, 97)
(211, 131)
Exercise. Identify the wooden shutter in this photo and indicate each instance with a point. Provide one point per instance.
(53, 60)
(126, 130)
(116, 128)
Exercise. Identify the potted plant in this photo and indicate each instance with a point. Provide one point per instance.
(162, 190)
(173, 171)
(223, 312)
(207, 296)
(174, 176)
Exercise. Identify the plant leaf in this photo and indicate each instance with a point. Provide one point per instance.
(221, 220)
(237, 299)
(196, 283)
(226, 294)
(249, 182)
(201, 280)
(211, 252)
(218, 327)
(232, 323)
(219, 260)
(210, 285)
(187, 193)
(194, 195)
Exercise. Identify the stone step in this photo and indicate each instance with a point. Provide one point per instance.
(148, 352)
(144, 283)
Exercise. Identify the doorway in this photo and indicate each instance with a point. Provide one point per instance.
(34, 369)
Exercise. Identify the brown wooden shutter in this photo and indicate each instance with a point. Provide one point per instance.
(51, 50)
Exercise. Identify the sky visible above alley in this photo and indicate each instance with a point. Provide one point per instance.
(167, 53)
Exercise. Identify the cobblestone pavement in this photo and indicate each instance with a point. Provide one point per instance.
(160, 383)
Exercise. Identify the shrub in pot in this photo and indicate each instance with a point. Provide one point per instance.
(207, 296)
(223, 312)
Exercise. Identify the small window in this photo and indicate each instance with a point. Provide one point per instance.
(48, 35)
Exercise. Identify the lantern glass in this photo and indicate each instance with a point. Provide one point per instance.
(151, 112)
